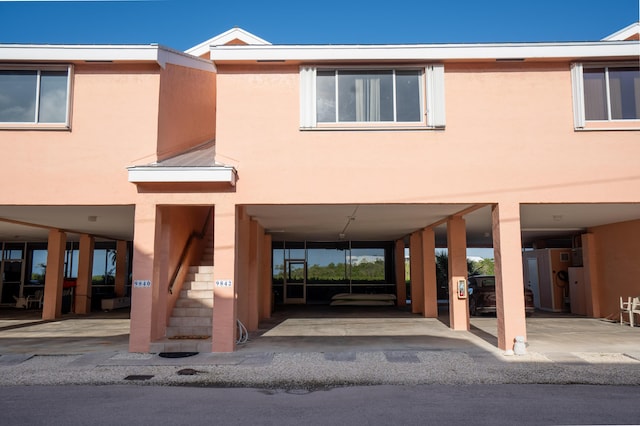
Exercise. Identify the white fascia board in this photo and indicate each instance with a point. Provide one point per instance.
(101, 53)
(224, 38)
(221, 174)
(426, 52)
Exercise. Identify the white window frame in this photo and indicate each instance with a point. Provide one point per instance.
(431, 94)
(36, 124)
(577, 84)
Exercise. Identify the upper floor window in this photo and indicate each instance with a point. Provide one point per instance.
(34, 96)
(605, 93)
(344, 97)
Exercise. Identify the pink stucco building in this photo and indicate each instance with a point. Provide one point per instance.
(206, 185)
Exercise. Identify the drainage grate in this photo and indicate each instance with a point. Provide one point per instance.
(176, 354)
(139, 377)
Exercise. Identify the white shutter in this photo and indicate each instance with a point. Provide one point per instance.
(307, 97)
(435, 96)
(577, 88)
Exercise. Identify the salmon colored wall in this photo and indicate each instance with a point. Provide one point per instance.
(187, 109)
(618, 247)
(517, 116)
(113, 125)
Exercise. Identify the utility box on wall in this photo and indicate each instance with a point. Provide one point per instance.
(546, 274)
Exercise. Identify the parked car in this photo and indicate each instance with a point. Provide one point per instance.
(482, 295)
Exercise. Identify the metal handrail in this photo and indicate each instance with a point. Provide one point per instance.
(185, 251)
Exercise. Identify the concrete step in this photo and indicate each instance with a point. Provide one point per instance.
(199, 276)
(173, 331)
(196, 294)
(181, 345)
(204, 269)
(194, 303)
(198, 285)
(193, 311)
(190, 321)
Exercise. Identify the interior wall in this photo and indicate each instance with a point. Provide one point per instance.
(618, 265)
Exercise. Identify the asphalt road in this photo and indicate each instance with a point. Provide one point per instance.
(374, 405)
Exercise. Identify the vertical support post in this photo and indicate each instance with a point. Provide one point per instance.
(85, 276)
(147, 227)
(253, 276)
(417, 281)
(121, 268)
(52, 307)
(507, 248)
(266, 295)
(591, 282)
(401, 282)
(224, 260)
(243, 258)
(429, 273)
(457, 244)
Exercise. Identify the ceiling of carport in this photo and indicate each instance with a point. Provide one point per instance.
(371, 222)
(384, 222)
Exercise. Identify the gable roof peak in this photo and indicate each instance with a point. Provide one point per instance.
(235, 35)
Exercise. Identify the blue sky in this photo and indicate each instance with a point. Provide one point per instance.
(181, 24)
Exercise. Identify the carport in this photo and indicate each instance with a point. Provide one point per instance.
(56, 252)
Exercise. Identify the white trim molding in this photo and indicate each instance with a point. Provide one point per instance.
(224, 38)
(151, 174)
(624, 34)
(101, 53)
(424, 52)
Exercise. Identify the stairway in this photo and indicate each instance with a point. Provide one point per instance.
(189, 328)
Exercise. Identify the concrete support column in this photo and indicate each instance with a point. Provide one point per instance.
(417, 275)
(457, 245)
(429, 273)
(85, 274)
(147, 230)
(591, 281)
(121, 268)
(224, 272)
(401, 284)
(266, 279)
(243, 258)
(255, 231)
(54, 279)
(507, 248)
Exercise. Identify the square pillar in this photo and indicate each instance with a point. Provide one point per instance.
(507, 248)
(591, 281)
(224, 272)
(457, 247)
(54, 279)
(85, 274)
(401, 281)
(143, 309)
(429, 273)
(253, 275)
(266, 278)
(417, 281)
(121, 268)
(243, 245)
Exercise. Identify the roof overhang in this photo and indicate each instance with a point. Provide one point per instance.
(155, 174)
(430, 52)
(101, 53)
(227, 37)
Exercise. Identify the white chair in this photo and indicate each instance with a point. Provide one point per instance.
(625, 308)
(635, 309)
(34, 299)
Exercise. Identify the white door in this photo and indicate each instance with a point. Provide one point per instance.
(532, 269)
